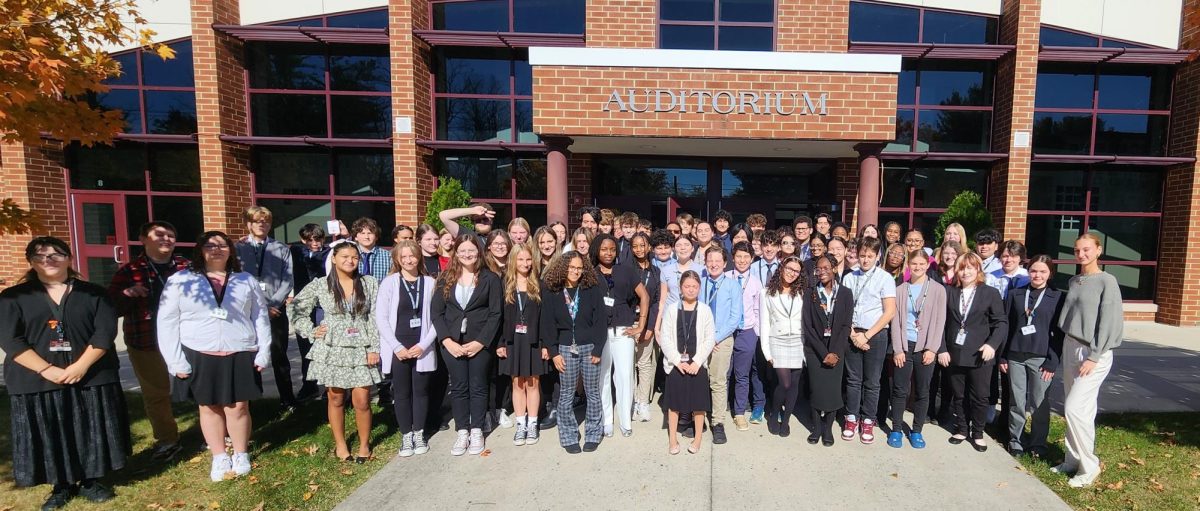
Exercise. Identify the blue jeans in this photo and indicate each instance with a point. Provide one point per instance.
(747, 386)
(862, 377)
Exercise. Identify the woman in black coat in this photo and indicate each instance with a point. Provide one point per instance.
(976, 328)
(828, 313)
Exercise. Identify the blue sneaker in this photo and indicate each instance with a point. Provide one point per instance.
(756, 416)
(895, 439)
(917, 441)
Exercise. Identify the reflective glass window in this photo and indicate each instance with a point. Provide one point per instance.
(170, 112)
(288, 115)
(957, 28)
(884, 23)
(480, 15)
(746, 38)
(549, 16)
(174, 72)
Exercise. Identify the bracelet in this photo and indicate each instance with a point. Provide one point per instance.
(39, 373)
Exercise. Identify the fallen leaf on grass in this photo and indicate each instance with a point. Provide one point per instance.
(485, 453)
(1195, 475)
(177, 504)
(252, 479)
(347, 472)
(312, 449)
(259, 507)
(1139, 461)
(313, 486)
(277, 484)
(289, 452)
(1115, 486)
(1168, 455)
(197, 458)
(1155, 485)
(171, 486)
(152, 505)
(229, 476)
(1122, 465)
(308, 496)
(214, 505)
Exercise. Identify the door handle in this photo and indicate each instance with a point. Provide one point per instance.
(117, 249)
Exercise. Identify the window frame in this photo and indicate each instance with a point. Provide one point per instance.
(324, 18)
(921, 10)
(910, 209)
(141, 87)
(1095, 111)
(716, 25)
(513, 200)
(512, 97)
(512, 18)
(916, 107)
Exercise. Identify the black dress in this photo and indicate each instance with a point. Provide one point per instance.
(825, 383)
(687, 393)
(524, 348)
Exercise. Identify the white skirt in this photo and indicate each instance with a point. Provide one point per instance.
(788, 351)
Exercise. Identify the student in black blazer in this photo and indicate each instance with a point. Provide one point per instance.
(975, 310)
(828, 313)
(467, 311)
(573, 320)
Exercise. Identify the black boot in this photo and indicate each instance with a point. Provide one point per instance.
(58, 498)
(827, 429)
(816, 425)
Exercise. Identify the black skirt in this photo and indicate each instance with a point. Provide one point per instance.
(218, 380)
(687, 393)
(524, 358)
(824, 383)
(64, 436)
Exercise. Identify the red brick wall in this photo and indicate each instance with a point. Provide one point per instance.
(621, 23)
(570, 101)
(1016, 84)
(33, 176)
(812, 25)
(410, 57)
(220, 109)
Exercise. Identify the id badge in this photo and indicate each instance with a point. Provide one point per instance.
(60, 345)
(574, 349)
(414, 323)
(262, 286)
(220, 314)
(828, 332)
(1029, 330)
(610, 301)
(521, 328)
(463, 330)
(961, 339)
(351, 332)
(684, 357)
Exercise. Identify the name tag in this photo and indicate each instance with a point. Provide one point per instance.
(464, 326)
(262, 286)
(1028, 330)
(684, 357)
(414, 323)
(609, 301)
(220, 314)
(351, 332)
(60, 345)
(574, 349)
(521, 328)
(961, 339)
(828, 332)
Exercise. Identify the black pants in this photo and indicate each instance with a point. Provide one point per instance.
(500, 389)
(280, 364)
(410, 389)
(468, 387)
(549, 386)
(971, 385)
(920, 375)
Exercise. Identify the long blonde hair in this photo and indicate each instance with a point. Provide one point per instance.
(416, 250)
(532, 286)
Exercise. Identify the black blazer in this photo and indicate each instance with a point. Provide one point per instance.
(512, 315)
(815, 342)
(307, 269)
(590, 320)
(1048, 340)
(483, 312)
(986, 323)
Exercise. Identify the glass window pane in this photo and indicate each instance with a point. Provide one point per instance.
(904, 132)
(936, 186)
(128, 102)
(927, 223)
(1135, 89)
(364, 173)
(383, 212)
(1126, 238)
(746, 38)
(1137, 135)
(1137, 282)
(897, 179)
(956, 84)
(1057, 188)
(310, 22)
(1132, 189)
(650, 177)
(292, 172)
(128, 62)
(748, 10)
(361, 116)
(359, 68)
(288, 115)
(100, 270)
(175, 169)
(286, 66)
(176, 72)
(1053, 235)
(892, 216)
(1055, 133)
(907, 85)
(525, 134)
(1055, 37)
(171, 112)
(103, 167)
(485, 176)
(137, 212)
(366, 19)
(531, 179)
(289, 215)
(782, 182)
(474, 71)
(549, 16)
(954, 131)
(951, 27)
(1064, 86)
(883, 23)
(99, 223)
(474, 119)
(185, 213)
(522, 74)
(484, 15)
(535, 214)
(686, 10)
(686, 37)
(1112, 43)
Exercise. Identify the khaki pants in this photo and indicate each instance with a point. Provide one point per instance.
(718, 379)
(151, 372)
(646, 370)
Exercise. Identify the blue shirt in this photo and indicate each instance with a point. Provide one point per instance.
(724, 297)
(762, 270)
(662, 264)
(1005, 283)
(910, 326)
(670, 273)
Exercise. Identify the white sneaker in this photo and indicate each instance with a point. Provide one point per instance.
(221, 465)
(241, 463)
(460, 443)
(1063, 469)
(406, 446)
(608, 430)
(637, 412)
(419, 445)
(645, 412)
(503, 419)
(1081, 481)
(476, 442)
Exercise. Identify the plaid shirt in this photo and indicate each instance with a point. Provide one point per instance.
(139, 313)
(377, 263)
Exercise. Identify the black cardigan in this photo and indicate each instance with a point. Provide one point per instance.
(483, 312)
(512, 316)
(90, 320)
(815, 342)
(590, 320)
(1048, 340)
(986, 323)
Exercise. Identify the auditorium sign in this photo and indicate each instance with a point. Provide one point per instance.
(718, 101)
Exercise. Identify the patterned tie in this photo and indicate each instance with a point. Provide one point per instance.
(712, 292)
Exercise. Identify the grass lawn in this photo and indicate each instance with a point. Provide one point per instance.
(1151, 462)
(294, 467)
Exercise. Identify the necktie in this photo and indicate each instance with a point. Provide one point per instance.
(712, 292)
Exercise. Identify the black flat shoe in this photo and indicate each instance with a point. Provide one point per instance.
(96, 492)
(979, 447)
(361, 459)
(785, 429)
(827, 443)
(814, 438)
(573, 449)
(57, 500)
(956, 441)
(590, 446)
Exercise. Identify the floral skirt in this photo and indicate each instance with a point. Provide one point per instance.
(341, 367)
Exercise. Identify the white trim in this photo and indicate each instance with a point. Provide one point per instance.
(715, 59)
(1139, 307)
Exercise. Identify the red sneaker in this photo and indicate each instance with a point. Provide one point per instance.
(850, 428)
(868, 432)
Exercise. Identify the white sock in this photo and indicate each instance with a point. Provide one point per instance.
(531, 422)
(519, 420)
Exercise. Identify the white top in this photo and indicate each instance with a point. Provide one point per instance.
(780, 315)
(869, 288)
(706, 330)
(186, 318)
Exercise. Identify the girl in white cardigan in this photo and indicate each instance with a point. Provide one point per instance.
(686, 339)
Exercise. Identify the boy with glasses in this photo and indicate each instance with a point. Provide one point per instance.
(270, 262)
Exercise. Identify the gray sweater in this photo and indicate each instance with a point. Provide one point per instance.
(1092, 313)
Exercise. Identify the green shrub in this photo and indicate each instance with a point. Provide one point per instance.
(448, 195)
(966, 209)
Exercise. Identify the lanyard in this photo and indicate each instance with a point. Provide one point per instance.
(59, 310)
(918, 306)
(414, 293)
(521, 306)
(689, 331)
(1030, 313)
(572, 304)
(964, 306)
(866, 279)
(218, 296)
(827, 301)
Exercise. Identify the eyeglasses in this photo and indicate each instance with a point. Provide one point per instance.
(213, 247)
(791, 269)
(788, 243)
(674, 232)
(574, 268)
(56, 257)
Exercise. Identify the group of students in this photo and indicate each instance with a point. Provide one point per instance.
(541, 322)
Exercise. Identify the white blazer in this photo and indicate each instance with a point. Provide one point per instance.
(385, 319)
(706, 330)
(774, 318)
(185, 318)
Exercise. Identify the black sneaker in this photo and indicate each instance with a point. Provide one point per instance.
(550, 422)
(572, 449)
(57, 500)
(590, 446)
(307, 393)
(718, 434)
(96, 492)
(165, 452)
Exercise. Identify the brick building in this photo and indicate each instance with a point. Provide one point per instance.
(1066, 115)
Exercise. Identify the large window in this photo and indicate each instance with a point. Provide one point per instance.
(717, 25)
(1102, 110)
(514, 186)
(157, 96)
(916, 195)
(887, 23)
(369, 18)
(1122, 204)
(526, 16)
(483, 95)
(944, 106)
(324, 91)
(302, 185)
(1051, 36)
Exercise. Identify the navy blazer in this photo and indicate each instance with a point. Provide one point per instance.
(815, 342)
(588, 327)
(986, 323)
(1048, 339)
(484, 312)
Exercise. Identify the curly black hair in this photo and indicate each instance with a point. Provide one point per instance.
(775, 283)
(556, 275)
(662, 237)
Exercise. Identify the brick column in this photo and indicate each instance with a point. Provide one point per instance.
(812, 25)
(220, 109)
(556, 178)
(621, 23)
(868, 182)
(1178, 289)
(1016, 86)
(411, 98)
(34, 178)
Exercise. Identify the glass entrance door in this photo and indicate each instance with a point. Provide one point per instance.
(101, 240)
